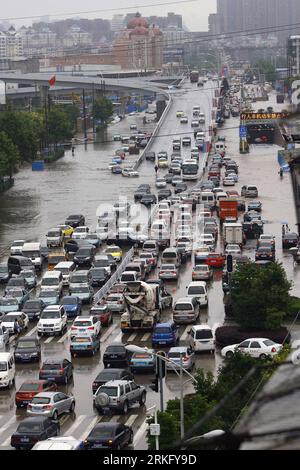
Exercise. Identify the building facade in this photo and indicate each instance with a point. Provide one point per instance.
(11, 44)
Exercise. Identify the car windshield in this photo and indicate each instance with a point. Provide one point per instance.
(29, 387)
(84, 252)
(101, 433)
(110, 391)
(98, 271)
(162, 329)
(176, 354)
(203, 334)
(47, 294)
(8, 301)
(168, 267)
(26, 344)
(53, 234)
(29, 427)
(53, 366)
(10, 318)
(78, 278)
(40, 400)
(114, 298)
(183, 306)
(32, 304)
(50, 281)
(15, 293)
(70, 301)
(101, 263)
(3, 366)
(82, 323)
(201, 268)
(80, 230)
(115, 349)
(196, 290)
(80, 290)
(46, 315)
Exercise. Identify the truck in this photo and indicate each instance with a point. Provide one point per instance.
(143, 305)
(233, 233)
(228, 208)
(33, 251)
(194, 76)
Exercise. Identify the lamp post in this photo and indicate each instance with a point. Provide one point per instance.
(137, 349)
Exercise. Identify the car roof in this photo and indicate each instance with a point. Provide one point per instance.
(178, 349)
(116, 383)
(46, 394)
(53, 361)
(257, 339)
(183, 300)
(201, 327)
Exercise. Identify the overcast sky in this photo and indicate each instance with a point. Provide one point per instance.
(195, 12)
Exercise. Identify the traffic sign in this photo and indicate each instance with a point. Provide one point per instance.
(243, 131)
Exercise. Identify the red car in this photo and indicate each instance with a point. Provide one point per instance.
(215, 260)
(30, 388)
(232, 193)
(105, 315)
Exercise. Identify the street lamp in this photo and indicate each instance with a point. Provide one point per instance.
(137, 349)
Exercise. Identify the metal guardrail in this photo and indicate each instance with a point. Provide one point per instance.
(114, 278)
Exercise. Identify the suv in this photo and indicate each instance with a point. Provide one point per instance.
(86, 324)
(53, 320)
(119, 395)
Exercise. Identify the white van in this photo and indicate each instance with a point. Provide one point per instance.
(54, 237)
(66, 268)
(207, 197)
(52, 280)
(202, 338)
(170, 256)
(7, 369)
(33, 251)
(198, 290)
(220, 147)
(220, 195)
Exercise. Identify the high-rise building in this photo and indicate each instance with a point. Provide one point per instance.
(117, 23)
(11, 44)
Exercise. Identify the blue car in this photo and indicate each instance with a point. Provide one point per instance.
(143, 361)
(84, 344)
(165, 334)
(255, 206)
(72, 305)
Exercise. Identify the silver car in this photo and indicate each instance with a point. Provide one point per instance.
(168, 271)
(119, 395)
(115, 302)
(187, 358)
(51, 404)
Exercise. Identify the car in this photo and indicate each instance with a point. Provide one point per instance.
(109, 436)
(49, 297)
(99, 276)
(176, 180)
(80, 232)
(228, 181)
(59, 444)
(75, 220)
(148, 199)
(115, 251)
(93, 239)
(162, 162)
(150, 156)
(109, 374)
(33, 429)
(16, 247)
(84, 256)
(116, 355)
(256, 347)
(17, 293)
(16, 282)
(163, 194)
(53, 321)
(186, 141)
(143, 361)
(232, 175)
(168, 271)
(115, 302)
(185, 310)
(30, 277)
(72, 305)
(27, 349)
(54, 237)
(252, 216)
(86, 324)
(179, 114)
(4, 337)
(267, 237)
(233, 249)
(180, 188)
(184, 120)
(8, 305)
(160, 183)
(84, 344)
(117, 138)
(119, 396)
(67, 230)
(290, 240)
(51, 404)
(215, 260)
(58, 370)
(249, 191)
(180, 356)
(201, 338)
(255, 206)
(202, 272)
(4, 273)
(102, 261)
(30, 388)
(265, 253)
(165, 334)
(9, 319)
(84, 292)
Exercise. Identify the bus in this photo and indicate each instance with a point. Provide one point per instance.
(194, 76)
(190, 170)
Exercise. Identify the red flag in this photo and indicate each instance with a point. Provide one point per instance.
(52, 80)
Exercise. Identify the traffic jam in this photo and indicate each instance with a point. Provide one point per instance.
(110, 299)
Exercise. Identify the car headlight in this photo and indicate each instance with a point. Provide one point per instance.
(34, 354)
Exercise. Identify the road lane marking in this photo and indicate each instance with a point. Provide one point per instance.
(146, 337)
(6, 443)
(118, 338)
(142, 430)
(12, 338)
(185, 333)
(132, 337)
(64, 337)
(131, 420)
(64, 419)
(89, 428)
(48, 340)
(108, 333)
(31, 331)
(7, 424)
(76, 424)
(114, 419)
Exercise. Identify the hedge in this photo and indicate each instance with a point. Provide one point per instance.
(226, 335)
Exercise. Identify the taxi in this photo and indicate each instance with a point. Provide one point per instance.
(115, 251)
(67, 230)
(84, 344)
(179, 114)
(143, 361)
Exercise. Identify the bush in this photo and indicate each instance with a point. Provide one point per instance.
(293, 307)
(226, 335)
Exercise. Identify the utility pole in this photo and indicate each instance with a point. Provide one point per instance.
(161, 385)
(181, 400)
(84, 115)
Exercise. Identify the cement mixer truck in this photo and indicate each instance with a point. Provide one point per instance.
(143, 305)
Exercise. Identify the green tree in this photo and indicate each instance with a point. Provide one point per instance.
(72, 112)
(59, 126)
(9, 155)
(260, 296)
(267, 68)
(103, 109)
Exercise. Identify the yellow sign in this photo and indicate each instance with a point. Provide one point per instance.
(262, 116)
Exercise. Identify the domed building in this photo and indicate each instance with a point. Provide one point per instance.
(139, 46)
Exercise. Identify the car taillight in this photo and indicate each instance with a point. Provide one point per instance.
(120, 301)
(73, 327)
(185, 358)
(47, 407)
(61, 371)
(90, 328)
(273, 350)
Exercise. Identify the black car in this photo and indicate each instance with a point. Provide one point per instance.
(44, 251)
(59, 370)
(33, 308)
(4, 273)
(32, 430)
(116, 355)
(99, 276)
(150, 156)
(164, 194)
(140, 192)
(241, 205)
(111, 374)
(180, 188)
(27, 349)
(72, 246)
(148, 199)
(76, 220)
(264, 253)
(290, 240)
(109, 436)
(18, 281)
(168, 177)
(84, 256)
(16, 264)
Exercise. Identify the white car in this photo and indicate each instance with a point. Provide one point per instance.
(184, 120)
(53, 320)
(228, 181)
(80, 233)
(8, 321)
(207, 239)
(232, 249)
(160, 183)
(16, 247)
(256, 347)
(88, 323)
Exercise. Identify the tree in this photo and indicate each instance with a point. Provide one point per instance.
(72, 112)
(59, 126)
(267, 68)
(9, 155)
(260, 296)
(103, 109)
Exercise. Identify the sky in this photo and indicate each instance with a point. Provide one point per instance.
(195, 12)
